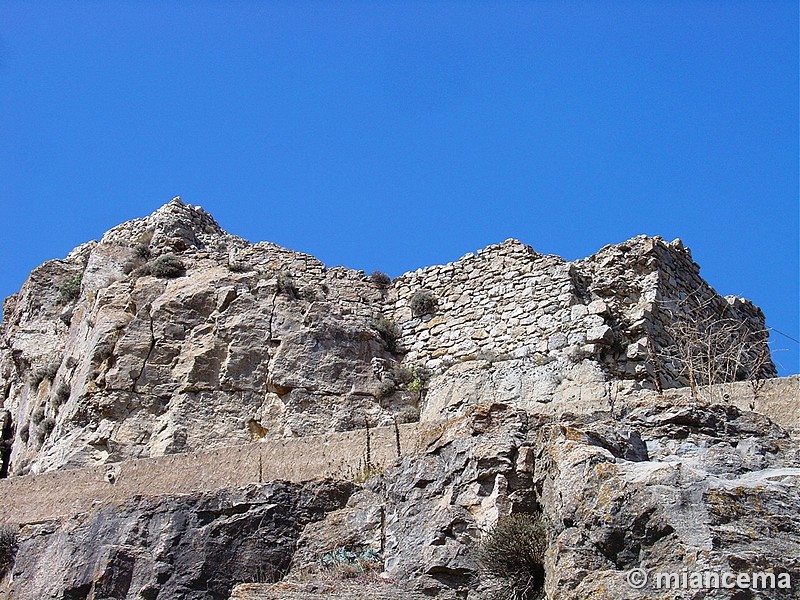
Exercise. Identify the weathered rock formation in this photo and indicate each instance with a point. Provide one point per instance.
(542, 387)
(190, 546)
(169, 335)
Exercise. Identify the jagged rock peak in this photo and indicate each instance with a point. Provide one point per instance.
(175, 224)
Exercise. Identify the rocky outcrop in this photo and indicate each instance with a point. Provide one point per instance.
(106, 358)
(671, 486)
(663, 483)
(543, 388)
(181, 547)
(170, 335)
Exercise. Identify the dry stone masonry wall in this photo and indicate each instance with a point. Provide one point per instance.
(616, 307)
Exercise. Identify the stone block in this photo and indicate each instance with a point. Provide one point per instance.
(598, 307)
(556, 341)
(601, 334)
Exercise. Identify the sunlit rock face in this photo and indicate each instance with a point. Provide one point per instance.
(170, 335)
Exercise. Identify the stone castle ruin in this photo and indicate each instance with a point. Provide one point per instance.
(107, 355)
(186, 415)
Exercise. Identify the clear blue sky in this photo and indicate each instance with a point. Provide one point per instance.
(390, 136)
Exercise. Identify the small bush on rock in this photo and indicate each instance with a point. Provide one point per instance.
(47, 372)
(407, 414)
(70, 289)
(380, 279)
(386, 388)
(167, 266)
(512, 555)
(48, 425)
(238, 266)
(417, 383)
(62, 393)
(24, 433)
(423, 303)
(350, 562)
(286, 285)
(388, 330)
(38, 415)
(142, 251)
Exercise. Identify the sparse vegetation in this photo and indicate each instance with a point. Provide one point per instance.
(70, 289)
(9, 540)
(407, 414)
(167, 266)
(238, 266)
(417, 384)
(308, 294)
(62, 393)
(386, 388)
(48, 425)
(366, 467)
(38, 415)
(413, 379)
(141, 254)
(366, 472)
(380, 279)
(142, 251)
(423, 302)
(24, 433)
(47, 372)
(712, 346)
(286, 285)
(512, 555)
(348, 562)
(388, 330)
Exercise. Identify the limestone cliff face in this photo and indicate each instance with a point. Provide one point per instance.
(170, 335)
(248, 341)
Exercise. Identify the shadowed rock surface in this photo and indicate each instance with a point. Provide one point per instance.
(183, 547)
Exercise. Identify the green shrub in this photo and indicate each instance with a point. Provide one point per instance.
(24, 433)
(416, 385)
(351, 561)
(62, 393)
(381, 279)
(9, 540)
(512, 554)
(412, 379)
(167, 266)
(38, 415)
(70, 289)
(47, 372)
(286, 284)
(423, 302)
(48, 425)
(388, 330)
(386, 388)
